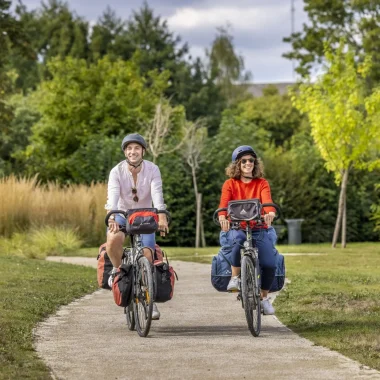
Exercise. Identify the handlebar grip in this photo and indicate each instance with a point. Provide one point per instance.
(113, 212)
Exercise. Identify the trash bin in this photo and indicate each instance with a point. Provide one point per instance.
(294, 231)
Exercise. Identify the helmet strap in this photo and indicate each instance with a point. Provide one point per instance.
(135, 166)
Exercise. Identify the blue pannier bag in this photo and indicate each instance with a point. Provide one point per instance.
(221, 270)
(279, 279)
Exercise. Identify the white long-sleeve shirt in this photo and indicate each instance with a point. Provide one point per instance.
(148, 185)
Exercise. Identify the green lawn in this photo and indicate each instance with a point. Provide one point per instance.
(30, 290)
(332, 299)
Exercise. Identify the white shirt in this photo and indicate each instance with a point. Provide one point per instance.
(148, 185)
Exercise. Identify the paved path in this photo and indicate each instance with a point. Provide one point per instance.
(202, 334)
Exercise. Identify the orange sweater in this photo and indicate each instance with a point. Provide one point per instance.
(235, 189)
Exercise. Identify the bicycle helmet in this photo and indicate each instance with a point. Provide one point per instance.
(241, 151)
(133, 138)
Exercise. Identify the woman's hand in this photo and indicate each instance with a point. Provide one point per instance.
(224, 223)
(163, 224)
(268, 218)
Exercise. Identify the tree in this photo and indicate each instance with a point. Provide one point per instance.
(227, 66)
(345, 122)
(192, 152)
(272, 112)
(358, 22)
(164, 130)
(108, 37)
(82, 105)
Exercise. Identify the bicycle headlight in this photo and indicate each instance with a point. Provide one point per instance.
(246, 244)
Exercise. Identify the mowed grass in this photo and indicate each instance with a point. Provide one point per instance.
(31, 290)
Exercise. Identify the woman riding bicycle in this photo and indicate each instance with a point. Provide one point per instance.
(246, 182)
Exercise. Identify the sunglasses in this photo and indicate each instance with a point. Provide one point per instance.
(134, 192)
(244, 160)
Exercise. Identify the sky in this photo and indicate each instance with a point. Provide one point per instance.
(258, 27)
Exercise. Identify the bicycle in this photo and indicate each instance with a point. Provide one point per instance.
(249, 293)
(139, 311)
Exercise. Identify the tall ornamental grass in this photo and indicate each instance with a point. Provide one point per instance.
(27, 205)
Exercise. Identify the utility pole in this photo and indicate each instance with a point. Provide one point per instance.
(292, 20)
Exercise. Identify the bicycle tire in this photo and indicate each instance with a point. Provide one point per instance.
(129, 314)
(143, 299)
(250, 292)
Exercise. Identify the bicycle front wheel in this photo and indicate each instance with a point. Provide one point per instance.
(143, 301)
(129, 313)
(250, 292)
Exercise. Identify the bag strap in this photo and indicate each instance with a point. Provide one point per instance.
(225, 258)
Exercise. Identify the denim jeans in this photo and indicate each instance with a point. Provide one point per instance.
(265, 240)
(148, 240)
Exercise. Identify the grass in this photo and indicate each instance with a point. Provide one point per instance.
(333, 298)
(30, 290)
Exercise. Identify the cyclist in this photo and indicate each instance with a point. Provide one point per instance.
(246, 181)
(133, 183)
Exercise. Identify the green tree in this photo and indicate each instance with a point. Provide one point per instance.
(358, 22)
(227, 67)
(81, 105)
(345, 122)
(108, 37)
(272, 112)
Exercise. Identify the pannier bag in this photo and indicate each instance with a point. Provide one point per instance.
(122, 285)
(221, 270)
(142, 221)
(165, 277)
(279, 279)
(248, 209)
(104, 267)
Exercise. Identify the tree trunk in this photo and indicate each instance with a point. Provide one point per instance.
(202, 230)
(338, 222)
(198, 221)
(344, 221)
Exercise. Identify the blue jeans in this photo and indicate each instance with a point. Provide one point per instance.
(148, 240)
(265, 240)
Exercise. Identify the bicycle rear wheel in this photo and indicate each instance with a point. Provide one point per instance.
(143, 301)
(129, 314)
(250, 291)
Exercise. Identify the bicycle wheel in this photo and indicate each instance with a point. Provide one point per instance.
(250, 292)
(129, 314)
(143, 302)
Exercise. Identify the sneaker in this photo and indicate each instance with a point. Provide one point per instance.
(234, 284)
(111, 277)
(155, 313)
(267, 307)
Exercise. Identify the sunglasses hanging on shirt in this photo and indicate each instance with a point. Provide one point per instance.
(134, 192)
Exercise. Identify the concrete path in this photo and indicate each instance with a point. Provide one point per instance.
(202, 334)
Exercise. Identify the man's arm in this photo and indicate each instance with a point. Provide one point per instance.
(158, 200)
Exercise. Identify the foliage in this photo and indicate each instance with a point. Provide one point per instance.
(357, 22)
(345, 122)
(81, 106)
(39, 243)
(226, 66)
(272, 112)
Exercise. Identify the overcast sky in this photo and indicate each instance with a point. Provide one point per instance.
(258, 27)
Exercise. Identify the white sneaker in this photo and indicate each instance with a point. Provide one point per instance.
(111, 277)
(155, 313)
(267, 307)
(234, 284)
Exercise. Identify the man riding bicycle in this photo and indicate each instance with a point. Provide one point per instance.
(247, 182)
(134, 183)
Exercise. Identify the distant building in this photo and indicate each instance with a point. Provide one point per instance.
(256, 89)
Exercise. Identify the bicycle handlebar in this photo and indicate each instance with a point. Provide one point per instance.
(277, 207)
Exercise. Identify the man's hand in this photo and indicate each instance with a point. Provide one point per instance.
(113, 227)
(224, 223)
(163, 224)
(268, 218)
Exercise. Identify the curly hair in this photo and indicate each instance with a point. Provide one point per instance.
(233, 169)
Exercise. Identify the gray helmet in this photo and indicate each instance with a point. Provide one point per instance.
(133, 138)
